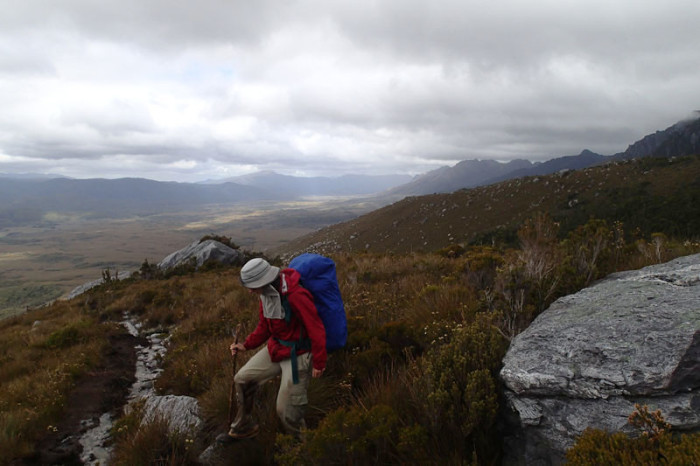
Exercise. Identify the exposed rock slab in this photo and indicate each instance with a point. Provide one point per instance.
(633, 337)
(197, 252)
(181, 412)
(201, 252)
(80, 289)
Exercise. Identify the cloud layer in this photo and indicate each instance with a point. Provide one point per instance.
(177, 90)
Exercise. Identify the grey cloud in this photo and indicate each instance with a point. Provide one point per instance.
(158, 24)
(28, 60)
(519, 33)
(364, 85)
(116, 118)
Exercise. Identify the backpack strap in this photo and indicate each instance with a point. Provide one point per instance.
(302, 343)
(287, 308)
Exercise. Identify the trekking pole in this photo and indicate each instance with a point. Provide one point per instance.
(232, 393)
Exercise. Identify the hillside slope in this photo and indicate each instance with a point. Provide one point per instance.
(649, 194)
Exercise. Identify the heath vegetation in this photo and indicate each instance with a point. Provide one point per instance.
(416, 384)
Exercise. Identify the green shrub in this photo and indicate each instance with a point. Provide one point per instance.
(452, 251)
(221, 239)
(69, 335)
(347, 436)
(375, 350)
(63, 338)
(481, 266)
(150, 271)
(463, 396)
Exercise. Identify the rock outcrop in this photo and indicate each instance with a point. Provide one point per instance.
(181, 412)
(80, 289)
(201, 252)
(197, 253)
(633, 337)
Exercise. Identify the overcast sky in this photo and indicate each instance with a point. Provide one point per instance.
(192, 90)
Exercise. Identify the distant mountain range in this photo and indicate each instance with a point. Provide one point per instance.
(346, 185)
(680, 139)
(465, 174)
(27, 198)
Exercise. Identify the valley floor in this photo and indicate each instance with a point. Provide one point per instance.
(41, 263)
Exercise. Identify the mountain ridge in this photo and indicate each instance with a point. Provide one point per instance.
(679, 139)
(464, 174)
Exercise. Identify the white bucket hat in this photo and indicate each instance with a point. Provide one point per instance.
(257, 273)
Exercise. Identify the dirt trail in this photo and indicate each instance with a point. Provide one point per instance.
(102, 390)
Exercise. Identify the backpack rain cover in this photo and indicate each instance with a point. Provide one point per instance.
(318, 276)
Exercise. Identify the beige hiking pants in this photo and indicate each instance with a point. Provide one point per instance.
(291, 398)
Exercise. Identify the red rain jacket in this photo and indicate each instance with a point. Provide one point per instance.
(304, 315)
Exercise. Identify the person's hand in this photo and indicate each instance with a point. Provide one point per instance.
(236, 347)
(316, 373)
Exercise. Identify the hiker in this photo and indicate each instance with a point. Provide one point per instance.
(296, 347)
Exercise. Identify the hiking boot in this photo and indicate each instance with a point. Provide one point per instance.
(231, 437)
(243, 426)
(250, 433)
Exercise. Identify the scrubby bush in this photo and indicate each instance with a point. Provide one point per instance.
(350, 436)
(437, 409)
(375, 350)
(462, 395)
(149, 271)
(452, 251)
(590, 248)
(63, 338)
(221, 239)
(481, 266)
(540, 257)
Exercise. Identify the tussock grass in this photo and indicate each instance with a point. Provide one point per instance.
(152, 443)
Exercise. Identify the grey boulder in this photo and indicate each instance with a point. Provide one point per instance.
(633, 337)
(201, 252)
(180, 412)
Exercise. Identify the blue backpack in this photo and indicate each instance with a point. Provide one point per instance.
(318, 276)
